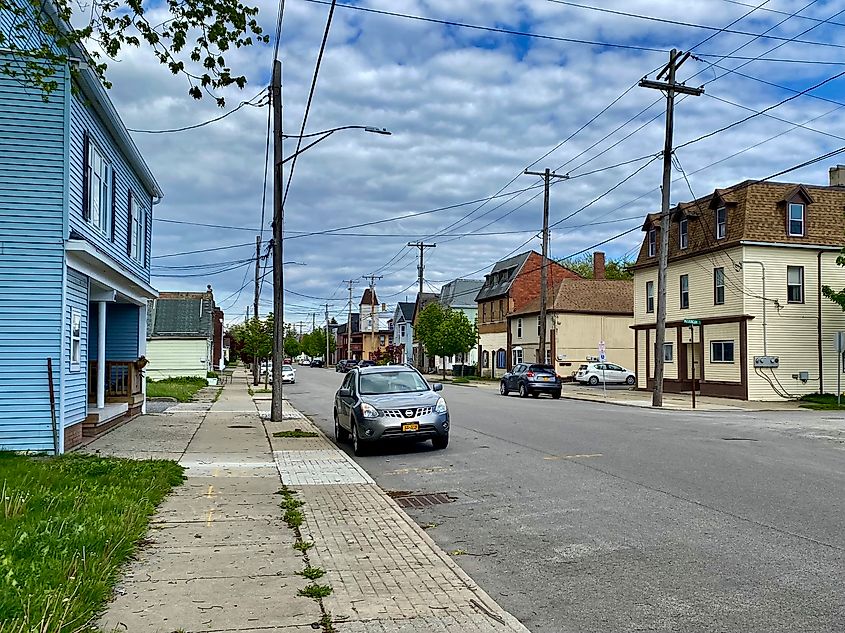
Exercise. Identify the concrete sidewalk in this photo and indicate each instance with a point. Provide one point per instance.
(220, 557)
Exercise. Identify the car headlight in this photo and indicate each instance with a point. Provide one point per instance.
(368, 410)
(440, 407)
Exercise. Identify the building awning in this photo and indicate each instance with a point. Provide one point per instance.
(84, 257)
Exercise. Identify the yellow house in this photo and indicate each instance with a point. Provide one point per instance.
(582, 314)
(746, 265)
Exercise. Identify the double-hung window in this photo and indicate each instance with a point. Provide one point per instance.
(138, 216)
(99, 190)
(684, 292)
(683, 234)
(519, 328)
(538, 325)
(718, 286)
(75, 339)
(795, 284)
(649, 296)
(402, 331)
(721, 351)
(652, 242)
(721, 223)
(668, 353)
(795, 221)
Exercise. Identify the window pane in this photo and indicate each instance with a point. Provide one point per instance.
(793, 275)
(728, 351)
(715, 352)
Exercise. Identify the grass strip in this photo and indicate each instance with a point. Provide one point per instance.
(295, 433)
(68, 525)
(183, 388)
(821, 402)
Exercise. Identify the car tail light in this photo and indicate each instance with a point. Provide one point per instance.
(530, 374)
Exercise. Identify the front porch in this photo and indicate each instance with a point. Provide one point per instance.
(123, 395)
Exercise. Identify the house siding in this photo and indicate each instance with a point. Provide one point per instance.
(76, 380)
(728, 372)
(174, 357)
(121, 332)
(84, 119)
(32, 194)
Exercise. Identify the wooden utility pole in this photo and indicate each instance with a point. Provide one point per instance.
(276, 413)
(547, 176)
(372, 279)
(420, 268)
(255, 370)
(313, 321)
(326, 359)
(350, 282)
(670, 87)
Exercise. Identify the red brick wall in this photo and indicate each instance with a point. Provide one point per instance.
(73, 436)
(527, 284)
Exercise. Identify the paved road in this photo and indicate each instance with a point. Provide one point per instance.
(580, 516)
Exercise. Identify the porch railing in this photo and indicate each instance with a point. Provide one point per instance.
(123, 380)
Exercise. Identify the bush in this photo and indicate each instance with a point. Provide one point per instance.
(212, 374)
(182, 388)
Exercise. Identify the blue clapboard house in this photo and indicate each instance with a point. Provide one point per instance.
(76, 201)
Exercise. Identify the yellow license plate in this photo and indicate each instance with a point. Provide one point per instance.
(545, 378)
(413, 426)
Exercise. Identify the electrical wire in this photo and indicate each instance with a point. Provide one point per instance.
(204, 123)
(202, 250)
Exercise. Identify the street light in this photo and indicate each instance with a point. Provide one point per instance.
(327, 133)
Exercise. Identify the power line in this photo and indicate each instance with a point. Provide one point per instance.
(249, 102)
(202, 250)
(803, 17)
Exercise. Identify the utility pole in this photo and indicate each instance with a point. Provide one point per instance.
(247, 315)
(547, 176)
(350, 282)
(255, 370)
(276, 413)
(313, 321)
(326, 359)
(300, 331)
(420, 268)
(670, 88)
(372, 279)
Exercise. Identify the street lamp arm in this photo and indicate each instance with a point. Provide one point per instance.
(366, 128)
(324, 136)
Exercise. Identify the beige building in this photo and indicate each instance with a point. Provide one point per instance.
(749, 263)
(581, 314)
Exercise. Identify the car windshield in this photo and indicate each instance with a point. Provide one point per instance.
(547, 368)
(583, 368)
(392, 382)
(287, 368)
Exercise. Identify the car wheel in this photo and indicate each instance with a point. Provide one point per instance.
(630, 380)
(594, 380)
(503, 389)
(440, 441)
(556, 395)
(340, 434)
(358, 447)
(523, 391)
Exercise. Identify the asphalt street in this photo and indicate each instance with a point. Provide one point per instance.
(581, 516)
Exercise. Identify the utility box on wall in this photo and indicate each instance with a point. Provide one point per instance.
(766, 362)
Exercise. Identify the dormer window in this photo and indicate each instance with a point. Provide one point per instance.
(683, 235)
(721, 223)
(652, 242)
(795, 221)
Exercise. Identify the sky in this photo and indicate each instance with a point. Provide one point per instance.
(469, 110)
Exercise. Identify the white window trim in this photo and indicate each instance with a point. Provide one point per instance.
(801, 284)
(722, 343)
(652, 242)
(99, 214)
(517, 356)
(681, 292)
(649, 296)
(717, 286)
(789, 219)
(671, 348)
(723, 225)
(75, 340)
(519, 328)
(139, 230)
(683, 234)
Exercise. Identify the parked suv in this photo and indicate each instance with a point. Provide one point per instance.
(596, 373)
(531, 380)
(345, 365)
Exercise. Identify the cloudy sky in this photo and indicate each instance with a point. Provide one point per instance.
(469, 109)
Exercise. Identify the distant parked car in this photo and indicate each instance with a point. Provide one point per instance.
(596, 373)
(317, 362)
(304, 362)
(531, 380)
(379, 403)
(367, 363)
(345, 365)
(288, 374)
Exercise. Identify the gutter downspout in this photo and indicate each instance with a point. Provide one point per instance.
(819, 331)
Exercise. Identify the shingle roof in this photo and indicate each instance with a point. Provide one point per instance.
(406, 309)
(180, 314)
(369, 297)
(460, 293)
(423, 299)
(496, 284)
(590, 296)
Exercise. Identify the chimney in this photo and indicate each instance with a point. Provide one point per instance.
(598, 265)
(837, 176)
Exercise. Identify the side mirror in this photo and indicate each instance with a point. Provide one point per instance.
(438, 386)
(345, 393)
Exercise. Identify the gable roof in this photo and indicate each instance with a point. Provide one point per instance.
(588, 296)
(356, 321)
(181, 315)
(405, 309)
(460, 293)
(423, 299)
(369, 297)
(499, 280)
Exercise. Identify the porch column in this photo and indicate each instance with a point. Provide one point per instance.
(101, 354)
(142, 351)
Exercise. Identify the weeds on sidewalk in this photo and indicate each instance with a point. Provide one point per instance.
(315, 591)
(312, 573)
(302, 546)
(296, 433)
(68, 524)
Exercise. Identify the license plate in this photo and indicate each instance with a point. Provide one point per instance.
(411, 426)
(545, 378)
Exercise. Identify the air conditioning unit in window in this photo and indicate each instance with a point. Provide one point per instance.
(766, 362)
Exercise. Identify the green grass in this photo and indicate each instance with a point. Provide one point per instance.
(67, 526)
(312, 573)
(315, 591)
(295, 433)
(461, 380)
(183, 389)
(821, 402)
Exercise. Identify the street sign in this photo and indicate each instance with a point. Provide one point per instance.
(692, 322)
(602, 357)
(602, 346)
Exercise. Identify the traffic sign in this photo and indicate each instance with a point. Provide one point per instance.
(602, 357)
(602, 347)
(692, 322)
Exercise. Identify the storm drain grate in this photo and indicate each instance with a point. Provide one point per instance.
(406, 499)
(240, 426)
(739, 439)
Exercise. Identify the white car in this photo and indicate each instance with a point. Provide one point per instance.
(596, 373)
(288, 374)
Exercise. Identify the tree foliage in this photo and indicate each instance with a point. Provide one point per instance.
(292, 346)
(189, 37)
(256, 337)
(314, 343)
(445, 332)
(614, 268)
